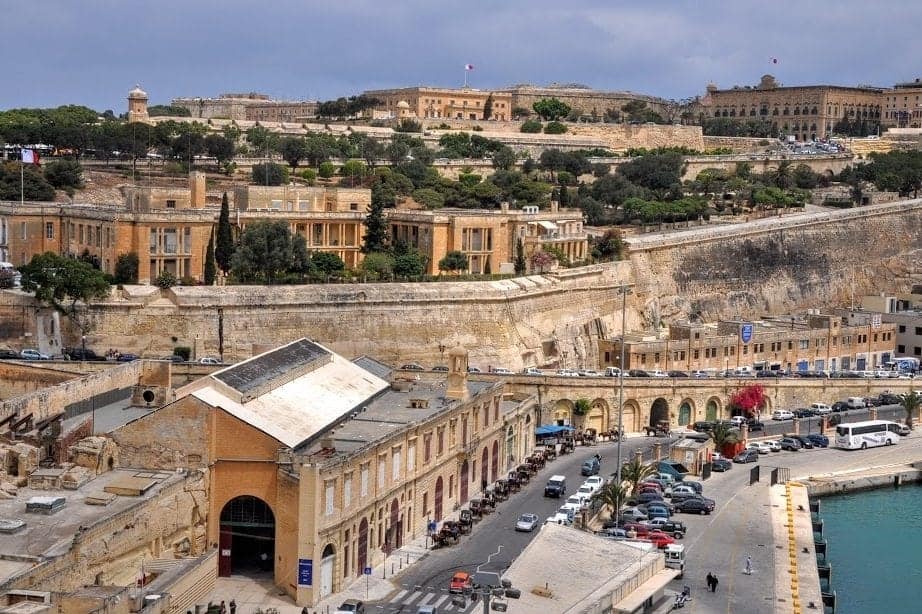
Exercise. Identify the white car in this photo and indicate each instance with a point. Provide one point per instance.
(679, 489)
(760, 447)
(587, 490)
(210, 360)
(633, 514)
(782, 414)
(738, 421)
(526, 522)
(595, 481)
(588, 373)
(774, 444)
(658, 373)
(531, 371)
(501, 371)
(560, 518)
(718, 456)
(821, 409)
(567, 373)
(577, 502)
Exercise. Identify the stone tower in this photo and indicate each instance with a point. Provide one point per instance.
(457, 375)
(137, 105)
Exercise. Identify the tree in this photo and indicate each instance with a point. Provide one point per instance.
(224, 245)
(551, 109)
(354, 170)
(636, 472)
(165, 280)
(520, 264)
(64, 174)
(659, 172)
(408, 125)
(210, 268)
(269, 173)
(264, 252)
(378, 265)
(532, 126)
(126, 268)
(409, 264)
(293, 149)
(327, 263)
(262, 140)
(911, 403)
(748, 400)
(488, 107)
(62, 283)
(220, 148)
(453, 261)
(375, 239)
(327, 170)
(504, 158)
(611, 495)
(724, 435)
(429, 198)
(168, 110)
(582, 407)
(541, 259)
(563, 196)
(608, 247)
(34, 186)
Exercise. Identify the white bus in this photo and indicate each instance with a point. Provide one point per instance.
(867, 434)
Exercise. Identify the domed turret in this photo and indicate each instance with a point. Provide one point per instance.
(137, 105)
(137, 94)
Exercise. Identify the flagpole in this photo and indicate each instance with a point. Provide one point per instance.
(465, 76)
(22, 184)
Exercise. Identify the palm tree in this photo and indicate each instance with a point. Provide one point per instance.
(723, 434)
(636, 472)
(911, 403)
(612, 495)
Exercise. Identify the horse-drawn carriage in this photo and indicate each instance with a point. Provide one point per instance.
(488, 502)
(512, 482)
(465, 521)
(589, 436)
(550, 453)
(524, 473)
(501, 490)
(537, 458)
(449, 534)
(567, 445)
(476, 508)
(660, 429)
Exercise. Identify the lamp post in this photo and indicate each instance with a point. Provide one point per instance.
(623, 290)
(83, 347)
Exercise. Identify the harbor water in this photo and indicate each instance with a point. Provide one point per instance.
(875, 547)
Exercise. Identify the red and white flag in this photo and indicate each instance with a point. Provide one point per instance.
(468, 67)
(30, 156)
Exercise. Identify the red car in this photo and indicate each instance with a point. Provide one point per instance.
(659, 539)
(461, 582)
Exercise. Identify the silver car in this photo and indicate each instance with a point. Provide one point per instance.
(526, 522)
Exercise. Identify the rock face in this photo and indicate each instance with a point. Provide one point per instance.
(768, 266)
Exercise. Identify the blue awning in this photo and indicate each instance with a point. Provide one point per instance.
(546, 430)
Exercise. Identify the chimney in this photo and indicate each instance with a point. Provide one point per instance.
(197, 190)
(457, 375)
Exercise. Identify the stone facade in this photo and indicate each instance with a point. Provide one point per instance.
(583, 100)
(434, 103)
(249, 107)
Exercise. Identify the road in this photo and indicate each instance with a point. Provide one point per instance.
(494, 538)
(812, 425)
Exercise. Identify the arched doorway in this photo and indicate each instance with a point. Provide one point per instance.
(465, 469)
(685, 412)
(484, 471)
(563, 412)
(629, 417)
(247, 539)
(711, 410)
(395, 530)
(327, 563)
(438, 499)
(659, 411)
(494, 467)
(510, 447)
(363, 548)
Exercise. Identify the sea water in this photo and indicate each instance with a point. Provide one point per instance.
(874, 542)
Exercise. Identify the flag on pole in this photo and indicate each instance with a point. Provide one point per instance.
(30, 156)
(468, 67)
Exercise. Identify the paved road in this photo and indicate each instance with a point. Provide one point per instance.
(427, 582)
(812, 425)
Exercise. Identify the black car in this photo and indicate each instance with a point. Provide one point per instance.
(839, 406)
(803, 412)
(790, 444)
(889, 399)
(703, 427)
(697, 505)
(676, 528)
(677, 374)
(820, 441)
(746, 456)
(804, 440)
(81, 354)
(638, 373)
(755, 425)
(9, 355)
(721, 464)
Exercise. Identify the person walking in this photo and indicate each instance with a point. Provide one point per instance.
(233, 607)
(714, 585)
(710, 581)
(748, 565)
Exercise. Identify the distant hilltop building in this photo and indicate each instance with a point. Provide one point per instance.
(439, 102)
(251, 106)
(582, 99)
(137, 105)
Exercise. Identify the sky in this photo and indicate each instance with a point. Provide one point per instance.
(92, 52)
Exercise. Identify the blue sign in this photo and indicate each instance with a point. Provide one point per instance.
(305, 572)
(746, 333)
(367, 571)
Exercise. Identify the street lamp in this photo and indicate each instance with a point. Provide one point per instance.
(504, 589)
(623, 291)
(83, 347)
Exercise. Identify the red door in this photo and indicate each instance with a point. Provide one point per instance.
(362, 548)
(464, 472)
(494, 469)
(224, 555)
(438, 499)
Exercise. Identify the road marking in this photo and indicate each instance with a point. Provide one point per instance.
(439, 601)
(399, 595)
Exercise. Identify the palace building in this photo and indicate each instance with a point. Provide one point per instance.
(435, 102)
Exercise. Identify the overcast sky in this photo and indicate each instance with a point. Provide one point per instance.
(92, 52)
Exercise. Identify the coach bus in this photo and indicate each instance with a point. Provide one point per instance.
(867, 434)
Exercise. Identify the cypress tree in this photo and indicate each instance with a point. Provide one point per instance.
(520, 264)
(210, 268)
(224, 248)
(375, 240)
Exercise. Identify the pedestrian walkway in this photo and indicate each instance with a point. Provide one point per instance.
(431, 596)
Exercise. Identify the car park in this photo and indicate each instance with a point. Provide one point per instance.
(820, 441)
(759, 446)
(782, 414)
(698, 505)
(790, 444)
(747, 456)
(526, 522)
(412, 366)
(721, 465)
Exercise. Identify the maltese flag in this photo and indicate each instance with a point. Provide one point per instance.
(468, 67)
(29, 156)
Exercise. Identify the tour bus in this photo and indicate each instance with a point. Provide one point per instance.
(867, 434)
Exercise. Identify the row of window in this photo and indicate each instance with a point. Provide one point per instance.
(864, 113)
(167, 240)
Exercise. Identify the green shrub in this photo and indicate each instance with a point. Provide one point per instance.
(531, 126)
(555, 128)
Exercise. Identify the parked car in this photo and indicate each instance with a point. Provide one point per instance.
(638, 373)
(209, 360)
(677, 374)
(755, 425)
(502, 371)
(699, 505)
(658, 511)
(789, 443)
(174, 358)
(460, 582)
(821, 409)
(660, 539)
(890, 399)
(782, 414)
(738, 421)
(612, 533)
(700, 374)
(526, 371)
(31, 354)
(820, 441)
(721, 465)
(633, 514)
(676, 528)
(473, 370)
(839, 406)
(576, 503)
(526, 522)
(590, 467)
(81, 354)
(588, 373)
(804, 441)
(351, 606)
(637, 528)
(440, 368)
(586, 490)
(759, 446)
(678, 497)
(647, 497)
(703, 426)
(412, 366)
(903, 430)
(774, 445)
(9, 355)
(747, 456)
(567, 373)
(595, 481)
(127, 357)
(802, 412)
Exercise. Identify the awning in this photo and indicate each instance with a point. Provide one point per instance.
(551, 429)
(646, 590)
(547, 225)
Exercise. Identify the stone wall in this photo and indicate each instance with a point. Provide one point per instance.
(739, 144)
(619, 137)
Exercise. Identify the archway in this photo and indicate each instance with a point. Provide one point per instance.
(465, 469)
(484, 468)
(327, 563)
(563, 412)
(395, 530)
(629, 417)
(711, 410)
(597, 418)
(439, 487)
(685, 412)
(659, 411)
(247, 538)
(494, 462)
(362, 562)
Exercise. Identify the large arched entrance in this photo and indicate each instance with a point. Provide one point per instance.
(484, 468)
(685, 412)
(465, 470)
(598, 416)
(439, 486)
(711, 410)
(247, 539)
(494, 462)
(563, 411)
(629, 417)
(362, 562)
(327, 563)
(659, 412)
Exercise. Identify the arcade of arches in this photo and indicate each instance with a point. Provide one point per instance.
(603, 415)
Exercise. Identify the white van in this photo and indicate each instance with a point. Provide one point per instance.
(820, 408)
(17, 276)
(855, 403)
(614, 372)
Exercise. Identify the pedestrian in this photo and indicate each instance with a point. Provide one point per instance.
(710, 581)
(233, 607)
(223, 608)
(748, 565)
(714, 586)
